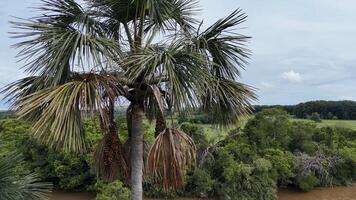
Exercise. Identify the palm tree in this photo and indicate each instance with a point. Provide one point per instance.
(16, 186)
(84, 59)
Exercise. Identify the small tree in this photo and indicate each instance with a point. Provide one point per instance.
(85, 58)
(315, 117)
(330, 115)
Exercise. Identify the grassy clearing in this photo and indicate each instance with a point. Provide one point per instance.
(335, 123)
(215, 133)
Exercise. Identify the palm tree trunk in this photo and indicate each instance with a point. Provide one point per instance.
(136, 152)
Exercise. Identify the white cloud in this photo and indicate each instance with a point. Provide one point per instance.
(292, 76)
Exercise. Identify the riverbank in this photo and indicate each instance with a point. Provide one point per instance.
(337, 193)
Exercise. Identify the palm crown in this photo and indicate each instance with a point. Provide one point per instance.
(83, 58)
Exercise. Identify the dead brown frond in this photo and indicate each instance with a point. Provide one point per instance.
(169, 157)
(110, 162)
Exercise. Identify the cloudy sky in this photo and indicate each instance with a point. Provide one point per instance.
(302, 49)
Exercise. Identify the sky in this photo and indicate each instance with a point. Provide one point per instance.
(302, 49)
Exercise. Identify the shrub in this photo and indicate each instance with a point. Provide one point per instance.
(240, 174)
(247, 182)
(345, 173)
(71, 171)
(155, 191)
(301, 137)
(113, 191)
(195, 119)
(199, 136)
(314, 117)
(270, 128)
(307, 183)
(329, 115)
(320, 165)
(200, 183)
(282, 165)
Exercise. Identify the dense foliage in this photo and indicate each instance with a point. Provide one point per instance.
(112, 191)
(274, 151)
(327, 109)
(271, 151)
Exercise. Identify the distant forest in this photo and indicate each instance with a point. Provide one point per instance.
(345, 110)
(4, 114)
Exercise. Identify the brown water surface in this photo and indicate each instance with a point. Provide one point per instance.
(71, 196)
(337, 193)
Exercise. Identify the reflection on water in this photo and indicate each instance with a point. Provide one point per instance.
(337, 193)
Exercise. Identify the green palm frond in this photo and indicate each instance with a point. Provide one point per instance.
(167, 14)
(120, 10)
(64, 40)
(160, 13)
(224, 48)
(60, 119)
(226, 102)
(22, 88)
(181, 73)
(14, 186)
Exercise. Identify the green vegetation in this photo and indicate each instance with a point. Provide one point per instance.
(17, 183)
(84, 57)
(112, 191)
(272, 150)
(6, 114)
(334, 123)
(314, 117)
(345, 110)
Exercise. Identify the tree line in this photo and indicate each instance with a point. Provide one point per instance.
(345, 110)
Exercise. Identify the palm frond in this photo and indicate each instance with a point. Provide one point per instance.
(59, 124)
(226, 102)
(14, 186)
(225, 48)
(169, 157)
(62, 40)
(23, 87)
(182, 72)
(155, 108)
(167, 14)
(119, 10)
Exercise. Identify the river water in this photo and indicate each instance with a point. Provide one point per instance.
(337, 193)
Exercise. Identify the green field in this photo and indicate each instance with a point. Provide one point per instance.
(337, 123)
(216, 134)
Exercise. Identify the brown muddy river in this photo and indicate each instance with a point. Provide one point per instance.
(337, 193)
